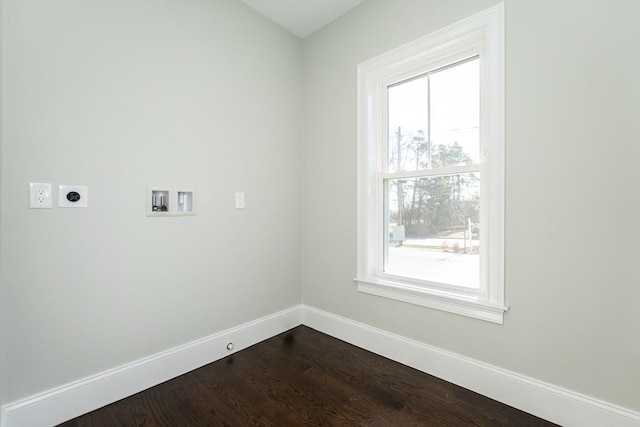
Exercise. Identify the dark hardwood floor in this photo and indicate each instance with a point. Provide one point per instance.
(305, 378)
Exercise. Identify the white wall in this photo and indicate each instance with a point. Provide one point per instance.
(116, 96)
(572, 201)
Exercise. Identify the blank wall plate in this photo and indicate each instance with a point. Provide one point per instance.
(239, 200)
(73, 196)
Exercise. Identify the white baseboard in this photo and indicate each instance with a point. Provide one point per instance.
(543, 400)
(71, 400)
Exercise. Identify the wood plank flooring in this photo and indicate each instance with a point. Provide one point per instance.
(305, 378)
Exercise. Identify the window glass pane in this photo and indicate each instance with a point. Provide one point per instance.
(455, 113)
(433, 224)
(433, 119)
(408, 121)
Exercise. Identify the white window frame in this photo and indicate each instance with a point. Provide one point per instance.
(483, 35)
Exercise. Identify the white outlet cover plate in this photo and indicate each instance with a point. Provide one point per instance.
(239, 200)
(73, 196)
(40, 195)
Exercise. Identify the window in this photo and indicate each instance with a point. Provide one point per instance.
(431, 170)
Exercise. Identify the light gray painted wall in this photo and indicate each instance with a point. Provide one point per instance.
(118, 95)
(572, 201)
(1, 151)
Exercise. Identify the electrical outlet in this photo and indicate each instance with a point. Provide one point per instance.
(40, 196)
(73, 196)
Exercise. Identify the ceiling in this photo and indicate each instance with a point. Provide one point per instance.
(302, 17)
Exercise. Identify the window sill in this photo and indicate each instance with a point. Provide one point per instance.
(446, 302)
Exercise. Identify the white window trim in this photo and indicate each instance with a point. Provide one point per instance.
(484, 33)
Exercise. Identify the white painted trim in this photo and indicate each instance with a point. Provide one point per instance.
(482, 35)
(541, 399)
(544, 400)
(3, 416)
(439, 300)
(79, 397)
